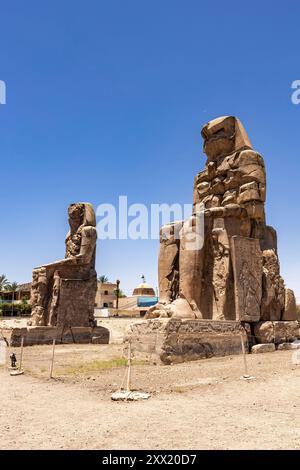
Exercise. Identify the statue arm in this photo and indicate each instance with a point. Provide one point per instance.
(88, 243)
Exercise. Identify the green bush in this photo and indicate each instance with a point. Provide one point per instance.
(16, 310)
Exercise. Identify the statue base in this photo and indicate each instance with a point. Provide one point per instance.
(173, 340)
(39, 335)
(276, 332)
(170, 341)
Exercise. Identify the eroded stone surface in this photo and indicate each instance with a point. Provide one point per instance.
(272, 306)
(247, 268)
(277, 331)
(168, 265)
(288, 346)
(290, 310)
(176, 340)
(46, 334)
(263, 348)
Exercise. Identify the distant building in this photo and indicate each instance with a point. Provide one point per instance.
(144, 289)
(106, 295)
(22, 293)
(143, 297)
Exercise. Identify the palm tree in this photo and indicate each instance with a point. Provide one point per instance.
(103, 279)
(120, 294)
(12, 287)
(3, 284)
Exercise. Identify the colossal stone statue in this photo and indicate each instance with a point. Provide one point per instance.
(235, 275)
(63, 292)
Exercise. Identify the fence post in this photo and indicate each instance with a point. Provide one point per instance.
(3, 349)
(21, 355)
(52, 360)
(129, 368)
(244, 357)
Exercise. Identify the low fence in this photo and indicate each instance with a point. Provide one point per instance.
(30, 353)
(51, 362)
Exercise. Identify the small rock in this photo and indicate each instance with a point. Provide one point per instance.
(263, 348)
(288, 346)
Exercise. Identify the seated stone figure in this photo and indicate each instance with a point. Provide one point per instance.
(63, 292)
(235, 275)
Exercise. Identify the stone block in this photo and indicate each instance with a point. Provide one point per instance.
(45, 335)
(288, 346)
(290, 308)
(263, 348)
(276, 331)
(176, 340)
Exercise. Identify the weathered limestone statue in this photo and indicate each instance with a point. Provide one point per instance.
(235, 275)
(63, 292)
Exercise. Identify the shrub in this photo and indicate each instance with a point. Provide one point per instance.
(16, 310)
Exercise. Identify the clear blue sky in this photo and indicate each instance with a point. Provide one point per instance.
(108, 97)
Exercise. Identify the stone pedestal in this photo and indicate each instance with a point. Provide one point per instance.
(277, 332)
(179, 340)
(39, 335)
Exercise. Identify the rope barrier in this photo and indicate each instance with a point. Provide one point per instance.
(32, 359)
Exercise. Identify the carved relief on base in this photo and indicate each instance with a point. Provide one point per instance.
(247, 267)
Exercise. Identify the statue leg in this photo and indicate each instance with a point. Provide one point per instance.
(191, 261)
(222, 282)
(39, 298)
(168, 262)
(54, 300)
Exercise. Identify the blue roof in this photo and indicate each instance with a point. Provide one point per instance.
(146, 301)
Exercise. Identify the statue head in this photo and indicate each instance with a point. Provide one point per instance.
(75, 212)
(81, 213)
(223, 136)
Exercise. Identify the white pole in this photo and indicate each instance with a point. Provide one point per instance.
(21, 356)
(244, 356)
(129, 367)
(52, 361)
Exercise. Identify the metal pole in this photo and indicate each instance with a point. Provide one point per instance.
(21, 356)
(129, 368)
(244, 356)
(118, 293)
(52, 361)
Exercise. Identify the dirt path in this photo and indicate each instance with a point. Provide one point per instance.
(200, 405)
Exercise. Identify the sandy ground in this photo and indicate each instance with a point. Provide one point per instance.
(198, 405)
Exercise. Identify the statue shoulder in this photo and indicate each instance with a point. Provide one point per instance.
(89, 232)
(249, 157)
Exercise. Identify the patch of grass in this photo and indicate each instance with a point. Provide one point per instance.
(94, 366)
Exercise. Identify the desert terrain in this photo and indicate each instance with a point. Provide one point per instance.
(197, 405)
